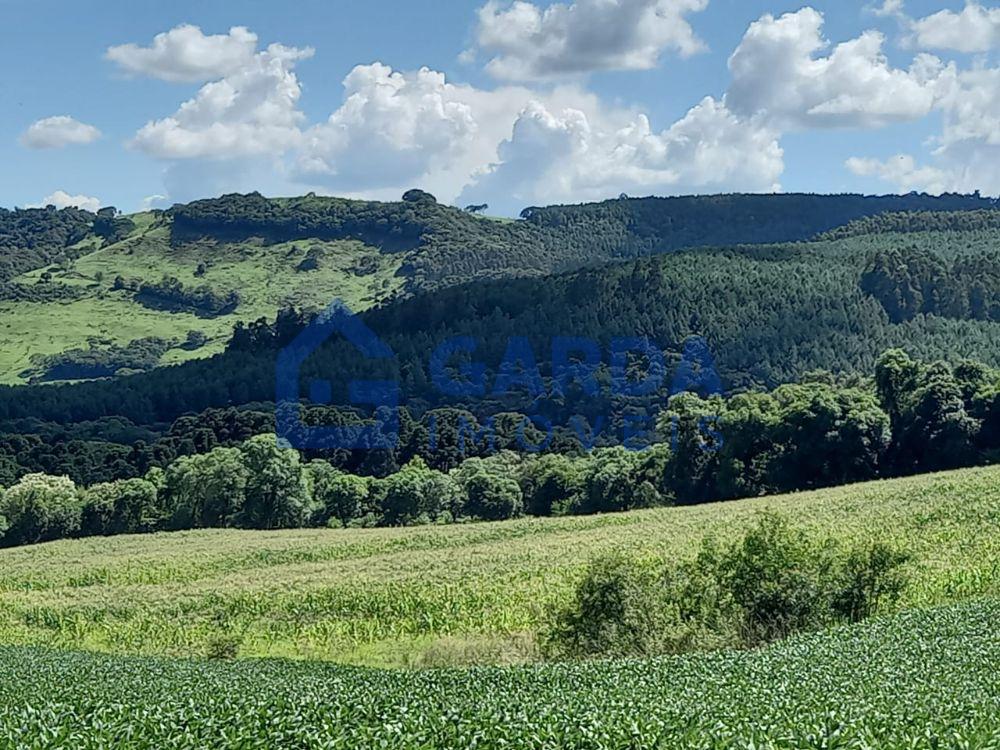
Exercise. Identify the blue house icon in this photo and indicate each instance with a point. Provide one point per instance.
(382, 395)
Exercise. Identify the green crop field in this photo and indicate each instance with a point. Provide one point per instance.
(920, 680)
(443, 595)
(264, 275)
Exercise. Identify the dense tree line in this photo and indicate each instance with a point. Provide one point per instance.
(171, 294)
(649, 225)
(917, 282)
(35, 237)
(901, 222)
(913, 417)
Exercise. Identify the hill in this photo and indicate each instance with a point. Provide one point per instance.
(450, 594)
(770, 314)
(918, 680)
(63, 320)
(86, 295)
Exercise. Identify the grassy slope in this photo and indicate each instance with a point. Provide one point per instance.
(265, 277)
(918, 680)
(442, 594)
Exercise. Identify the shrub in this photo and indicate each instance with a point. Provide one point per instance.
(222, 648)
(619, 610)
(777, 579)
(871, 578)
(772, 582)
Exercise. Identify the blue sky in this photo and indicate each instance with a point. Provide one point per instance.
(527, 103)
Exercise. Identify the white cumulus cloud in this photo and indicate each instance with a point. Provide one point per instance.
(62, 199)
(392, 127)
(779, 73)
(903, 172)
(966, 155)
(974, 29)
(59, 131)
(889, 9)
(571, 155)
(526, 42)
(250, 112)
(511, 146)
(185, 54)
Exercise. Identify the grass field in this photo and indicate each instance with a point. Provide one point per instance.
(264, 275)
(443, 595)
(922, 680)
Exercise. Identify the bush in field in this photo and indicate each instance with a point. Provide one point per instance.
(619, 609)
(128, 506)
(869, 578)
(40, 508)
(777, 579)
(773, 582)
(278, 495)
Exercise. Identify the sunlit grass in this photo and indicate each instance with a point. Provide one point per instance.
(387, 596)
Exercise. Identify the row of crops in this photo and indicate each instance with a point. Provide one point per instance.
(920, 679)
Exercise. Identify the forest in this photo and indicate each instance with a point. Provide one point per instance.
(797, 334)
(224, 470)
(770, 314)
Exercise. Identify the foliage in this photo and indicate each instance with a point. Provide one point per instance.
(128, 506)
(278, 495)
(914, 417)
(772, 583)
(413, 494)
(171, 294)
(491, 488)
(339, 497)
(111, 227)
(205, 490)
(34, 237)
(39, 508)
(100, 359)
(618, 609)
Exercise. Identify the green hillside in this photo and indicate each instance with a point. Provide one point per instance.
(449, 594)
(66, 318)
(306, 274)
(922, 680)
(770, 314)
